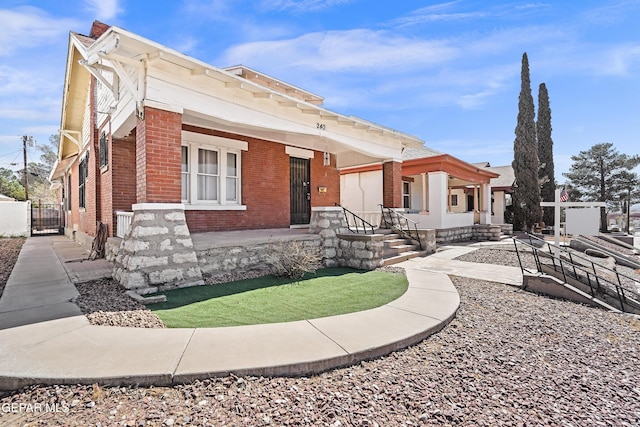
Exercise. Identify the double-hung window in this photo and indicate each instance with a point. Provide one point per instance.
(210, 172)
(83, 174)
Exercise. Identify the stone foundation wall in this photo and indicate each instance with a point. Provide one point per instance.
(428, 240)
(328, 223)
(248, 258)
(157, 253)
(506, 229)
(361, 251)
(341, 247)
(463, 234)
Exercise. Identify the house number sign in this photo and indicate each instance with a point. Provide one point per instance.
(321, 126)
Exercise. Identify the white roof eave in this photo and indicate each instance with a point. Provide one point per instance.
(116, 38)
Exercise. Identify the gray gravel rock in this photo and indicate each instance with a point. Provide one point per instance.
(509, 358)
(105, 303)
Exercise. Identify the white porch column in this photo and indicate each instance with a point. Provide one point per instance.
(439, 198)
(485, 204)
(425, 194)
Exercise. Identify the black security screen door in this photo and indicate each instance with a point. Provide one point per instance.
(300, 191)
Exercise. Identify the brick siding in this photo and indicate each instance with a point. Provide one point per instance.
(392, 184)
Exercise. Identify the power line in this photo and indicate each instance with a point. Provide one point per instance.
(9, 154)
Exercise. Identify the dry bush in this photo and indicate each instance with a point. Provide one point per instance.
(294, 259)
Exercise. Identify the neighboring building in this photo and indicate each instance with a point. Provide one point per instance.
(438, 190)
(501, 191)
(4, 198)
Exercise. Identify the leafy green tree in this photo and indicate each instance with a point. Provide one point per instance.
(49, 152)
(526, 195)
(601, 174)
(546, 173)
(10, 185)
(38, 172)
(628, 193)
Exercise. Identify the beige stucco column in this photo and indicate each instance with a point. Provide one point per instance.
(425, 194)
(476, 199)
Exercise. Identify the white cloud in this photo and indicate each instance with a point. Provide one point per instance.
(353, 50)
(619, 59)
(104, 9)
(186, 44)
(26, 27)
(302, 6)
(218, 10)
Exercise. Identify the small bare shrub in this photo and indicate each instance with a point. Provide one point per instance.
(293, 260)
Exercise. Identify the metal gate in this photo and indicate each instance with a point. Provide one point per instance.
(300, 191)
(46, 219)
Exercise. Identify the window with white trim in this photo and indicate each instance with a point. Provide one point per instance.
(406, 194)
(210, 175)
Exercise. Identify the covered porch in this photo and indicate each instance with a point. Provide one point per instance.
(445, 192)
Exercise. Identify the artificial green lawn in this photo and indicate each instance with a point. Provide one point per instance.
(269, 299)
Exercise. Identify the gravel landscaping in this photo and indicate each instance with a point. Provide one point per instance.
(508, 358)
(9, 251)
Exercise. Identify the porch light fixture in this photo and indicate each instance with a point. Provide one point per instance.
(327, 158)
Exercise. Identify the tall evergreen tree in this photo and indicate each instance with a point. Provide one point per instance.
(526, 195)
(545, 152)
(601, 174)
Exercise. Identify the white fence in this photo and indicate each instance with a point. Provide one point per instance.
(15, 219)
(123, 223)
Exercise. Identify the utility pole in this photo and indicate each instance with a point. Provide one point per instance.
(26, 139)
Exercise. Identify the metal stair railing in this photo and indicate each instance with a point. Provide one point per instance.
(564, 263)
(404, 226)
(353, 220)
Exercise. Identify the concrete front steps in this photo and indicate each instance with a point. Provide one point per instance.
(398, 248)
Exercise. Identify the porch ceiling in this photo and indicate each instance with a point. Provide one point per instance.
(292, 134)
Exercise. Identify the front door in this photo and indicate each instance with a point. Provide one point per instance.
(300, 191)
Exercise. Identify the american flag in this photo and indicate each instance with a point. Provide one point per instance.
(564, 195)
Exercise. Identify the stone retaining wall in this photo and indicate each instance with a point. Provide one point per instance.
(462, 234)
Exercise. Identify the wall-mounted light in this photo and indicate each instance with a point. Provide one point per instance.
(327, 158)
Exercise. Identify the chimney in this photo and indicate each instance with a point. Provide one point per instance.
(97, 29)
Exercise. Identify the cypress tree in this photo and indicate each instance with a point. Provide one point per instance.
(526, 195)
(545, 152)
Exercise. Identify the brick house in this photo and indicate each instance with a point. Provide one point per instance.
(146, 128)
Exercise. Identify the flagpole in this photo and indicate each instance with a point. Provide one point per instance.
(556, 222)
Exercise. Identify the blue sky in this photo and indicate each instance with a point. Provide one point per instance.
(447, 72)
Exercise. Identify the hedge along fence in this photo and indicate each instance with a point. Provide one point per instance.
(15, 219)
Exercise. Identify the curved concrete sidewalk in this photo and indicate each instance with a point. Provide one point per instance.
(45, 340)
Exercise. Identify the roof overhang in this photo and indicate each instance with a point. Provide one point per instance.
(277, 115)
(76, 82)
(451, 165)
(60, 167)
